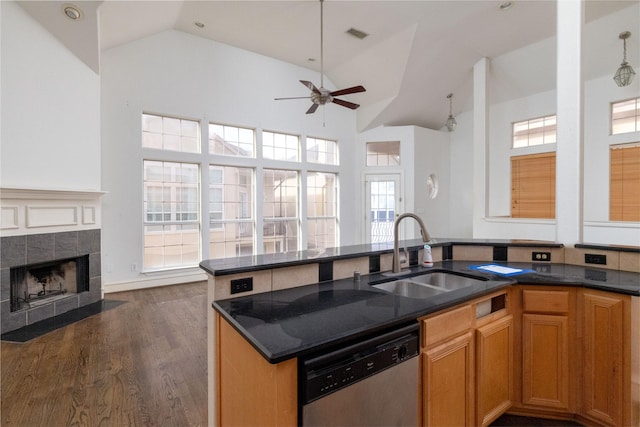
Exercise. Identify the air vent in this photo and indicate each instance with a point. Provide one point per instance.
(357, 33)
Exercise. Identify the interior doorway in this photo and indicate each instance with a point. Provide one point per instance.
(382, 204)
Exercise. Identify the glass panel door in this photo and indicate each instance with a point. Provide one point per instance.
(382, 203)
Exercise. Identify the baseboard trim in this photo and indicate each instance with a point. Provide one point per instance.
(153, 282)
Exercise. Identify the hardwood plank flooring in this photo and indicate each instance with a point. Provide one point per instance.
(143, 363)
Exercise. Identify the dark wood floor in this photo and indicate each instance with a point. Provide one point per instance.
(143, 363)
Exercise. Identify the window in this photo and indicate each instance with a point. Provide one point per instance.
(280, 208)
(231, 140)
(171, 219)
(624, 193)
(322, 151)
(534, 132)
(625, 116)
(231, 223)
(168, 133)
(382, 202)
(322, 208)
(383, 153)
(533, 186)
(280, 146)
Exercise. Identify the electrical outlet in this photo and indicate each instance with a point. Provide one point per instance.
(540, 256)
(134, 267)
(242, 285)
(595, 259)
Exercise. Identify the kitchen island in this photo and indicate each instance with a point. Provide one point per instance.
(304, 304)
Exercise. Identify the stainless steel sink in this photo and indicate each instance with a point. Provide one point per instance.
(427, 285)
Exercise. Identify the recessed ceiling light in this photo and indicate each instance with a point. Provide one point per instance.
(72, 12)
(506, 5)
(198, 24)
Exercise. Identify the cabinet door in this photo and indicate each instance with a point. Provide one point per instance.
(545, 361)
(603, 358)
(494, 378)
(448, 388)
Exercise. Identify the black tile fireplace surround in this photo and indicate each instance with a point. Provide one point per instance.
(17, 251)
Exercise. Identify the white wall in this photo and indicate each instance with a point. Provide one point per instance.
(177, 74)
(50, 99)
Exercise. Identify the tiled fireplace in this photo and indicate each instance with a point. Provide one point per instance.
(49, 254)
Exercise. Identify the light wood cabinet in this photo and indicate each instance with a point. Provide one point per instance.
(605, 343)
(467, 363)
(448, 373)
(548, 342)
(253, 392)
(494, 374)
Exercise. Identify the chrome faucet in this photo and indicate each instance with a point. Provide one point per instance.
(396, 252)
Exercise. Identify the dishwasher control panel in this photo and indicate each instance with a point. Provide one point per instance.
(328, 373)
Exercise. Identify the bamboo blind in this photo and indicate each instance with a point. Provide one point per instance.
(533, 186)
(624, 181)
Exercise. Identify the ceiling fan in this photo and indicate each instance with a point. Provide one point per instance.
(322, 96)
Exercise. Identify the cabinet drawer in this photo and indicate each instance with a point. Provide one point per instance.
(545, 301)
(446, 325)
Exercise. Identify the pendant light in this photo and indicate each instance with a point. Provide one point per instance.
(625, 73)
(451, 122)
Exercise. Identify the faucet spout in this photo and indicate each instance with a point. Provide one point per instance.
(423, 231)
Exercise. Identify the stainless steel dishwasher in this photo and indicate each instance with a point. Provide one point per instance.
(369, 383)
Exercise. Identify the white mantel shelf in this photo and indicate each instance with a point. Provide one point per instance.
(48, 194)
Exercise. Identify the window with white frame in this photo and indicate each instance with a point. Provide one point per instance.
(171, 219)
(280, 146)
(322, 151)
(625, 116)
(322, 210)
(231, 218)
(231, 140)
(385, 153)
(538, 131)
(281, 224)
(170, 133)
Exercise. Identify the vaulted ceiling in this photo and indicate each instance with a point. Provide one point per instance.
(416, 52)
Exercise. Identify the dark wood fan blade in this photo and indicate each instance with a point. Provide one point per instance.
(345, 103)
(355, 89)
(310, 86)
(312, 109)
(293, 97)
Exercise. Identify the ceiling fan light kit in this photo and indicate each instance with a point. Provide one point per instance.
(624, 75)
(322, 96)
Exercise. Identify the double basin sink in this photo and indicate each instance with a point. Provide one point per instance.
(429, 284)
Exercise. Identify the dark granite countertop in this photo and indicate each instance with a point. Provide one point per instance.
(243, 264)
(301, 321)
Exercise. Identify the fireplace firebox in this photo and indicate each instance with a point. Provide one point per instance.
(42, 283)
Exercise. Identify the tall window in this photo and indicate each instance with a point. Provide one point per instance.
(322, 151)
(280, 208)
(322, 210)
(170, 133)
(534, 132)
(231, 223)
(533, 186)
(171, 219)
(280, 146)
(625, 116)
(231, 140)
(383, 153)
(624, 196)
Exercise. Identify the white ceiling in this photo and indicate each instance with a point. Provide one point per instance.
(416, 52)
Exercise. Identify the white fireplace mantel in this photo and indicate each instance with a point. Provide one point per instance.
(33, 210)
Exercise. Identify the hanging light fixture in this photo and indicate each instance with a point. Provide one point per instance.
(451, 122)
(625, 73)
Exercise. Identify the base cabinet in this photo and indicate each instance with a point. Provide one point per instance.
(467, 364)
(494, 396)
(603, 390)
(448, 383)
